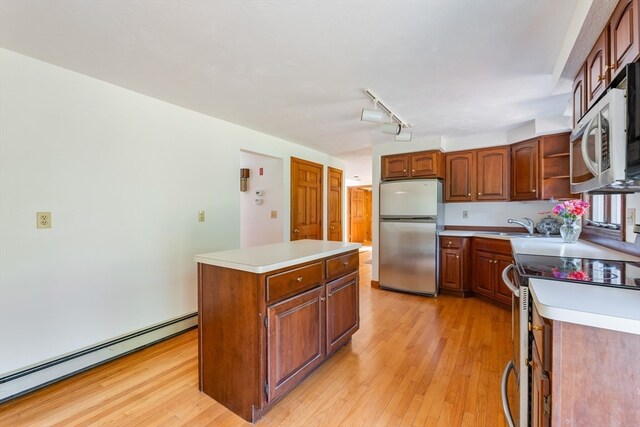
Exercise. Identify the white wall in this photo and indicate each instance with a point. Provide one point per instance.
(124, 176)
(256, 225)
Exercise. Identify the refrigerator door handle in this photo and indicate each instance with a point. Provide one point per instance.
(505, 399)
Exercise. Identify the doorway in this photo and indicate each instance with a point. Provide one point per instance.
(360, 203)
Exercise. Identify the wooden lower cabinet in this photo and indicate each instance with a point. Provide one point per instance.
(583, 375)
(261, 334)
(295, 340)
(342, 311)
(454, 265)
(489, 258)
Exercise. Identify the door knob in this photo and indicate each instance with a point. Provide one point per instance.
(332, 228)
(295, 230)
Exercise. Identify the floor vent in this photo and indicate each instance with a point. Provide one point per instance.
(38, 376)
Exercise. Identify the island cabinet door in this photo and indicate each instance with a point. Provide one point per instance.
(295, 340)
(343, 315)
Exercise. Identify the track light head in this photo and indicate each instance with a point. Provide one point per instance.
(403, 136)
(391, 128)
(369, 115)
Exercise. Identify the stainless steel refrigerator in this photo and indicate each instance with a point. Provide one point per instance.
(411, 214)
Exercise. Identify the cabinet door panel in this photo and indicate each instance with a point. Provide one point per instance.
(524, 170)
(424, 165)
(395, 167)
(625, 40)
(597, 71)
(579, 96)
(459, 177)
(343, 312)
(501, 292)
(483, 272)
(451, 269)
(295, 340)
(540, 393)
(493, 174)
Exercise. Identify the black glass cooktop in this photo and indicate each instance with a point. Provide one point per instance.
(618, 274)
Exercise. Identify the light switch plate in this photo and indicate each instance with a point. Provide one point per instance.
(201, 216)
(274, 214)
(43, 219)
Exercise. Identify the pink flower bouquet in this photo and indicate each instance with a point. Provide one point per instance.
(571, 209)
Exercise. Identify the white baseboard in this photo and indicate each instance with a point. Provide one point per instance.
(35, 377)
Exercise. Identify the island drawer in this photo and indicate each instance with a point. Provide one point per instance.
(292, 282)
(341, 265)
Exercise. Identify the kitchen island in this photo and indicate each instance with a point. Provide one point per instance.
(269, 315)
(586, 340)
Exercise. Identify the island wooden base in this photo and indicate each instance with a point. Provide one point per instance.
(262, 334)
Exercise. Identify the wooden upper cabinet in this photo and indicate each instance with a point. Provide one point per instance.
(424, 164)
(597, 69)
(395, 167)
(524, 170)
(493, 174)
(624, 29)
(579, 96)
(460, 175)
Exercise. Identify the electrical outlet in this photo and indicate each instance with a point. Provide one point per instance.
(201, 216)
(43, 219)
(274, 214)
(465, 214)
(631, 216)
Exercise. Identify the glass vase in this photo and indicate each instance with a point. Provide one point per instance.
(570, 230)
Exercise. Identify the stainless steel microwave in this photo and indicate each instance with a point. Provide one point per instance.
(598, 146)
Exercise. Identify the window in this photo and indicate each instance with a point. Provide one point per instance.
(605, 216)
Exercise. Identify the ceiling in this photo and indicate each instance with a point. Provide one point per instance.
(297, 69)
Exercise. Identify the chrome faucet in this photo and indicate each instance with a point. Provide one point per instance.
(528, 224)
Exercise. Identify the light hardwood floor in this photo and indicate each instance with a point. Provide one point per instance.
(415, 361)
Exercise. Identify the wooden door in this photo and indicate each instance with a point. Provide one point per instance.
(483, 271)
(295, 337)
(493, 174)
(625, 40)
(306, 200)
(597, 69)
(579, 96)
(368, 204)
(343, 315)
(460, 173)
(395, 167)
(357, 219)
(524, 170)
(334, 208)
(500, 290)
(451, 269)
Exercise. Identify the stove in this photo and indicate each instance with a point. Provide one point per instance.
(588, 271)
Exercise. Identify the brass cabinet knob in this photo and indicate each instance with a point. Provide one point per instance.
(413, 170)
(322, 298)
(457, 256)
(469, 195)
(299, 279)
(404, 170)
(345, 263)
(479, 194)
(600, 77)
(449, 243)
(533, 191)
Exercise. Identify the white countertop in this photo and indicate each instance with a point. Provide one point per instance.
(597, 306)
(553, 246)
(265, 258)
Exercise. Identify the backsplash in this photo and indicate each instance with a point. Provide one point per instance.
(494, 213)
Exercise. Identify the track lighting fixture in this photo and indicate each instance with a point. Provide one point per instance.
(369, 115)
(391, 128)
(403, 136)
(395, 127)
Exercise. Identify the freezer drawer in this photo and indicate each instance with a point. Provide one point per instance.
(410, 198)
(408, 256)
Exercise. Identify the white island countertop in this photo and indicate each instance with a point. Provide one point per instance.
(583, 304)
(586, 304)
(266, 258)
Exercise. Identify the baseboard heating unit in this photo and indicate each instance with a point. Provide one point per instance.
(34, 377)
